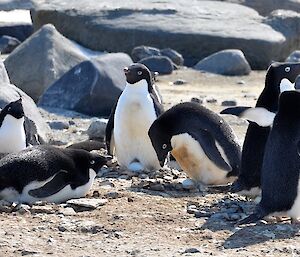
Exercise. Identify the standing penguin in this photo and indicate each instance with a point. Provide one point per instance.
(47, 173)
(12, 130)
(203, 144)
(137, 107)
(281, 163)
(277, 78)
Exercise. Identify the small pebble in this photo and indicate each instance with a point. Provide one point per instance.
(59, 125)
(241, 82)
(196, 100)
(192, 250)
(179, 82)
(211, 100)
(229, 103)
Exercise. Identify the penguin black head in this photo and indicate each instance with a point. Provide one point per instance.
(289, 103)
(137, 72)
(97, 161)
(14, 109)
(161, 141)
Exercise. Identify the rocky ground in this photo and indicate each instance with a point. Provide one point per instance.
(150, 214)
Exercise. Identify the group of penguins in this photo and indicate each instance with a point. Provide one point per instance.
(142, 136)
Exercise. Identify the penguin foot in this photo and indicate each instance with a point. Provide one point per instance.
(295, 221)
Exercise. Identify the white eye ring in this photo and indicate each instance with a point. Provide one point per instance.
(139, 73)
(92, 162)
(287, 69)
(9, 108)
(164, 146)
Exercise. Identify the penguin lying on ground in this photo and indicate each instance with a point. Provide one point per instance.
(281, 163)
(202, 143)
(47, 173)
(137, 107)
(278, 78)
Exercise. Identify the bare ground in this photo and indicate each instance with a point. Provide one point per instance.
(138, 221)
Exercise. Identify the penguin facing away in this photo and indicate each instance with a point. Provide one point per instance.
(136, 109)
(12, 130)
(47, 173)
(279, 78)
(281, 163)
(203, 144)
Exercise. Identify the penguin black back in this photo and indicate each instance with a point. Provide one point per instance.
(256, 136)
(195, 119)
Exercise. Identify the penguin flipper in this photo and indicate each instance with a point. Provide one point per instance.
(208, 144)
(261, 116)
(109, 131)
(57, 183)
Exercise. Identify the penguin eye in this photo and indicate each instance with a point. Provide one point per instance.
(139, 73)
(92, 162)
(9, 108)
(164, 146)
(287, 69)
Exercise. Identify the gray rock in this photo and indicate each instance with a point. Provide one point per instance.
(192, 250)
(5, 206)
(197, 100)
(45, 56)
(91, 87)
(179, 82)
(227, 62)
(141, 52)
(9, 93)
(193, 32)
(160, 64)
(294, 57)
(87, 203)
(173, 55)
(59, 125)
(96, 130)
(8, 44)
(18, 30)
(3, 74)
(229, 103)
(188, 184)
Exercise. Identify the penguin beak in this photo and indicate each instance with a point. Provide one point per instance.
(162, 162)
(126, 70)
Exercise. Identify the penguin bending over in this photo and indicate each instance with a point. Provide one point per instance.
(278, 79)
(280, 182)
(203, 144)
(136, 109)
(47, 173)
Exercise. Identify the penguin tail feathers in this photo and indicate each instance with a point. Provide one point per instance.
(254, 217)
(236, 111)
(88, 145)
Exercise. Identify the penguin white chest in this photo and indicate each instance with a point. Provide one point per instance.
(134, 115)
(12, 135)
(294, 212)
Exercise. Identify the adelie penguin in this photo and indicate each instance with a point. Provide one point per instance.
(203, 144)
(47, 173)
(136, 109)
(279, 78)
(12, 130)
(281, 163)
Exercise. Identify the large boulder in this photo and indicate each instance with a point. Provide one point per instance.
(230, 62)
(41, 60)
(160, 64)
(92, 87)
(194, 32)
(3, 74)
(9, 93)
(294, 57)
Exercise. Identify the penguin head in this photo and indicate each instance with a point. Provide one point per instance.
(137, 72)
(161, 141)
(96, 161)
(15, 109)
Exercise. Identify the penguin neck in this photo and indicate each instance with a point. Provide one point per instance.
(10, 122)
(140, 87)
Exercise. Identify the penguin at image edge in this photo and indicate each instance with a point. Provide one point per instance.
(279, 78)
(127, 129)
(280, 182)
(48, 173)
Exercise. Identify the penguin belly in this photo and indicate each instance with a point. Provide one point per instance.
(294, 212)
(64, 194)
(12, 135)
(133, 118)
(193, 160)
